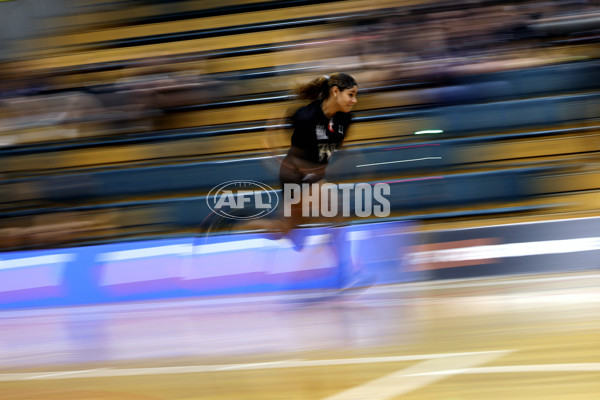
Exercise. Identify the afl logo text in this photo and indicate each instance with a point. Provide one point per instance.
(254, 198)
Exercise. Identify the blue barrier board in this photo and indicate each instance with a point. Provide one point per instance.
(211, 266)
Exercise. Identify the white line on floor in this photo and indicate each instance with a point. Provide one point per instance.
(412, 378)
(107, 372)
(575, 367)
(59, 375)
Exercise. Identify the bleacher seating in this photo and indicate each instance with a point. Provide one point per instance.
(514, 142)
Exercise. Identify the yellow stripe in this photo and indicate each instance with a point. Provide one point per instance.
(188, 46)
(569, 182)
(537, 147)
(215, 22)
(114, 16)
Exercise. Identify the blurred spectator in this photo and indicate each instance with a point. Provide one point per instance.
(152, 87)
(32, 108)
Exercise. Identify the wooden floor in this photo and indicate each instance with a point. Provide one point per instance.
(508, 338)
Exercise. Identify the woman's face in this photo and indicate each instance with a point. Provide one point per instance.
(345, 99)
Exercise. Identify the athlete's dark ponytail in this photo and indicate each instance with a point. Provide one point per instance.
(319, 88)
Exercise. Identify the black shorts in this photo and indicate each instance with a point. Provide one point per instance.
(290, 173)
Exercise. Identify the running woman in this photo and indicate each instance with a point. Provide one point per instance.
(319, 128)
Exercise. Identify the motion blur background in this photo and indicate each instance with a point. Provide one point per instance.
(117, 117)
(114, 114)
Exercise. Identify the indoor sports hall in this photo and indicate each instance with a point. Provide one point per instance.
(299, 200)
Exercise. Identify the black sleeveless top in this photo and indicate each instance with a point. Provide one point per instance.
(315, 134)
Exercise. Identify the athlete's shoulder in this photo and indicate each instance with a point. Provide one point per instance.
(308, 112)
(344, 118)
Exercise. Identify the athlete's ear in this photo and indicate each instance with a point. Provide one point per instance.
(335, 91)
